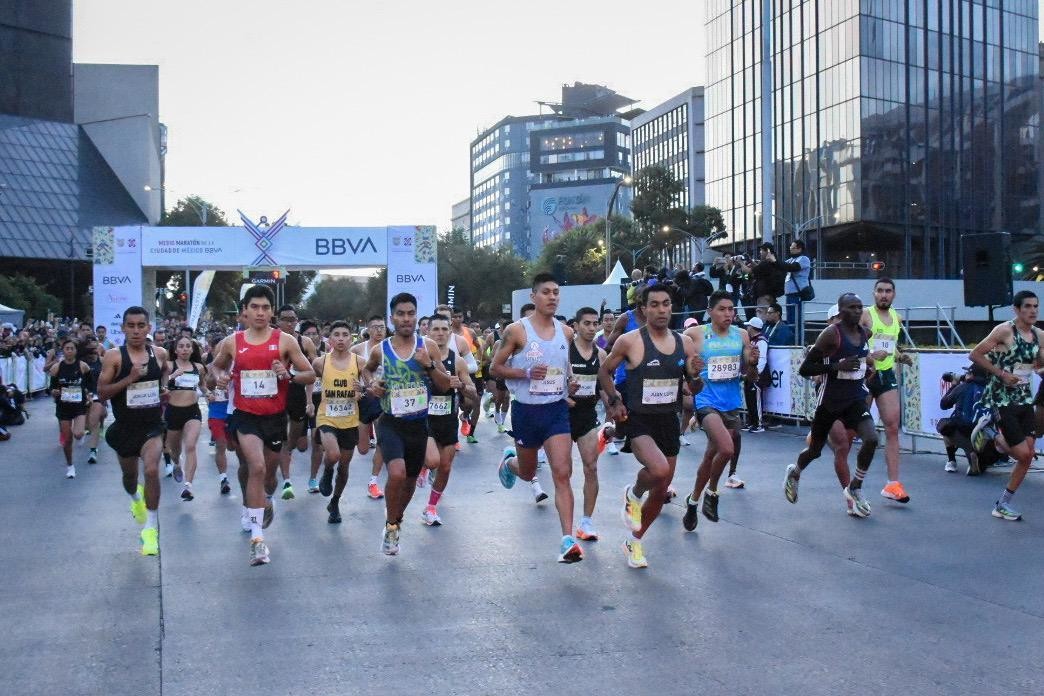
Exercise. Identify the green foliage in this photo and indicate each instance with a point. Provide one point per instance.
(656, 197)
(353, 299)
(187, 213)
(23, 292)
(482, 278)
(579, 253)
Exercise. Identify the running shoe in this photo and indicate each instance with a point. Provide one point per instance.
(951, 467)
(692, 514)
(605, 435)
(756, 429)
(979, 437)
(710, 505)
(313, 486)
(212, 443)
(373, 442)
(288, 490)
(149, 541)
(186, 494)
(790, 483)
(1006, 511)
(895, 491)
(611, 447)
(335, 512)
(635, 554)
(457, 446)
(472, 440)
(244, 521)
(670, 495)
(374, 491)
(225, 487)
(858, 506)
(585, 531)
(269, 514)
(422, 480)
(137, 507)
(92, 458)
(465, 427)
(684, 441)
(390, 540)
(539, 495)
(507, 476)
(569, 551)
(632, 511)
(178, 473)
(431, 517)
(326, 481)
(259, 552)
(500, 427)
(734, 481)
(70, 471)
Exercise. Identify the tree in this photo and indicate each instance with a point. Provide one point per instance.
(351, 299)
(580, 252)
(23, 292)
(655, 203)
(482, 278)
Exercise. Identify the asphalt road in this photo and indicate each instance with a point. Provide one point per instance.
(934, 597)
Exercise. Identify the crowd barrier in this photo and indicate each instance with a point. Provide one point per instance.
(25, 373)
(921, 387)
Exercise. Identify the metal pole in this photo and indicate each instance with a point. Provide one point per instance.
(767, 175)
(188, 294)
(608, 239)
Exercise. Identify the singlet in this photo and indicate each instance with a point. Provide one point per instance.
(406, 384)
(71, 383)
(339, 405)
(257, 389)
(186, 381)
(841, 388)
(722, 371)
(139, 403)
(92, 384)
(552, 352)
(654, 386)
(632, 324)
(1019, 360)
(444, 403)
(884, 337)
(472, 342)
(586, 373)
(298, 390)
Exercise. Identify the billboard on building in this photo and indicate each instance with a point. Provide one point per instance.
(555, 211)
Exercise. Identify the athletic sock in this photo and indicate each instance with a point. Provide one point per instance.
(135, 496)
(434, 497)
(857, 480)
(951, 454)
(1006, 496)
(373, 479)
(224, 477)
(151, 519)
(585, 520)
(166, 458)
(257, 517)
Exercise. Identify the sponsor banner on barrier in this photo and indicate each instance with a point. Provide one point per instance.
(117, 276)
(777, 397)
(412, 265)
(27, 375)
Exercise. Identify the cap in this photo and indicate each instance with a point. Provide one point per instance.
(767, 245)
(756, 323)
(691, 321)
(833, 312)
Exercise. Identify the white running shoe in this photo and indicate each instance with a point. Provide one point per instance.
(951, 467)
(734, 482)
(539, 495)
(611, 447)
(70, 471)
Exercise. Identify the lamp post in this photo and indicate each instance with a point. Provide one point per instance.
(201, 210)
(697, 241)
(627, 180)
(801, 227)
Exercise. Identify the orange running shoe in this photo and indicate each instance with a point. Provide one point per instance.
(895, 491)
(375, 491)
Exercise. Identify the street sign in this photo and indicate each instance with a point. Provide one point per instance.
(266, 276)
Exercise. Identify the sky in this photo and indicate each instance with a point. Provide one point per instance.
(361, 113)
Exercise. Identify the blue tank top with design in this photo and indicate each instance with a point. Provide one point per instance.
(406, 384)
(722, 371)
(621, 370)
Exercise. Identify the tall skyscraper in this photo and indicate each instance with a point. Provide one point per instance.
(898, 126)
(671, 135)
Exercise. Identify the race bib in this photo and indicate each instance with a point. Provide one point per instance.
(552, 384)
(884, 343)
(440, 405)
(220, 394)
(340, 408)
(1023, 371)
(659, 391)
(587, 385)
(859, 373)
(187, 381)
(143, 394)
(408, 401)
(723, 367)
(71, 395)
(256, 384)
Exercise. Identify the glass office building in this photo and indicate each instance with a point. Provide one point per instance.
(671, 135)
(898, 127)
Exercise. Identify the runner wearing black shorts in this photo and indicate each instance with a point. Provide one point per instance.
(585, 358)
(299, 405)
(69, 379)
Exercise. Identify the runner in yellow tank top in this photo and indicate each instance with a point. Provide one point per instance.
(884, 326)
(337, 418)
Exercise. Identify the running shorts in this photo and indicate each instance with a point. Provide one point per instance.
(270, 429)
(533, 424)
(663, 428)
(177, 416)
(128, 439)
(403, 439)
(850, 414)
(881, 382)
(347, 438)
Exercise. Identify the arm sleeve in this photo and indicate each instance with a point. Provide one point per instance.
(763, 357)
(470, 361)
(951, 397)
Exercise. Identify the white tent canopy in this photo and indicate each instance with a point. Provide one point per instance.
(14, 316)
(617, 275)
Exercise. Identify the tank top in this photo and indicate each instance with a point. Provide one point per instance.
(339, 404)
(654, 386)
(96, 366)
(71, 383)
(722, 371)
(139, 403)
(186, 381)
(586, 373)
(257, 389)
(552, 352)
(884, 337)
(1019, 360)
(844, 387)
(406, 383)
(632, 324)
(444, 403)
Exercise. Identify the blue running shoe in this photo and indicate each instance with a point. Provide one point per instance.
(507, 476)
(570, 551)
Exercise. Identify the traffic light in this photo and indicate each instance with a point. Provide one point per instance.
(1017, 267)
(877, 266)
(275, 275)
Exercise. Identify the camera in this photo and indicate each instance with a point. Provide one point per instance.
(949, 377)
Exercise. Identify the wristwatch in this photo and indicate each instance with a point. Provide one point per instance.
(430, 367)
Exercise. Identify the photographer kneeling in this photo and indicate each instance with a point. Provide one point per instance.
(962, 397)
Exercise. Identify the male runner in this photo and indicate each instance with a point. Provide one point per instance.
(884, 326)
(310, 330)
(337, 418)
(256, 360)
(656, 359)
(585, 358)
(534, 360)
(1011, 353)
(443, 407)
(133, 378)
(725, 354)
(606, 328)
(630, 320)
(299, 406)
(471, 344)
(840, 353)
(369, 405)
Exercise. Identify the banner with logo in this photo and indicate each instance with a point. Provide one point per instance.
(200, 289)
(412, 265)
(117, 276)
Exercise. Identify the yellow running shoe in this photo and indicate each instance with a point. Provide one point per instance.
(632, 511)
(149, 542)
(635, 554)
(137, 507)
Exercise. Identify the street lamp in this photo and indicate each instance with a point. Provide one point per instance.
(699, 242)
(201, 210)
(627, 180)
